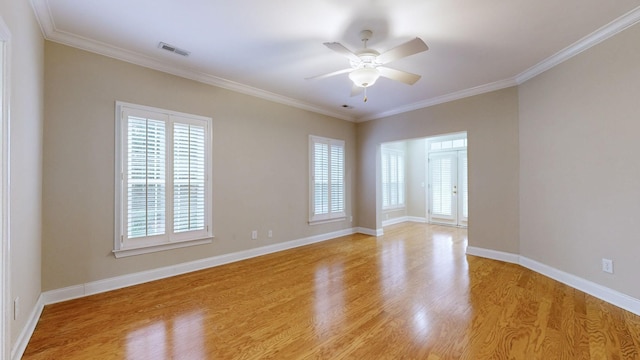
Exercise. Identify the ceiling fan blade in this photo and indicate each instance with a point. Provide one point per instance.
(356, 90)
(409, 48)
(323, 76)
(340, 49)
(398, 75)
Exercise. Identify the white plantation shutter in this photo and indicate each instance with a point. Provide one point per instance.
(327, 176)
(188, 177)
(400, 184)
(146, 144)
(392, 178)
(321, 178)
(337, 179)
(163, 191)
(386, 183)
(441, 186)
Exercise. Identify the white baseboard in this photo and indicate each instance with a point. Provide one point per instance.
(118, 282)
(493, 254)
(25, 335)
(601, 292)
(370, 232)
(394, 221)
(604, 293)
(402, 219)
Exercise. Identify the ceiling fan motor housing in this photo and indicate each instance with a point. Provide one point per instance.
(366, 57)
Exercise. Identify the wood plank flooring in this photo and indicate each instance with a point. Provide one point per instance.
(411, 294)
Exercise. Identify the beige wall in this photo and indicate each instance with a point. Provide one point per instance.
(26, 81)
(491, 122)
(260, 165)
(579, 168)
(417, 178)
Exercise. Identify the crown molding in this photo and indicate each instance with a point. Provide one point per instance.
(457, 95)
(43, 16)
(616, 26)
(50, 32)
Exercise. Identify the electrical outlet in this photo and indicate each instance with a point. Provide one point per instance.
(607, 266)
(254, 235)
(16, 308)
(270, 234)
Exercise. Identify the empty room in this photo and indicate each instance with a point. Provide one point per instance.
(322, 179)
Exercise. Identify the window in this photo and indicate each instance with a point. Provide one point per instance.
(163, 180)
(454, 142)
(392, 178)
(327, 188)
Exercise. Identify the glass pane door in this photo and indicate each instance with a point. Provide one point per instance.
(448, 188)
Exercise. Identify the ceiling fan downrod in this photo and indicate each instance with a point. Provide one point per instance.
(365, 35)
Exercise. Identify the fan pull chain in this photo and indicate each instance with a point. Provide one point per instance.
(365, 94)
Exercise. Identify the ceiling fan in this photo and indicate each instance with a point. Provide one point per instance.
(367, 64)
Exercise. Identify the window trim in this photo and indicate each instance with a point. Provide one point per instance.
(329, 216)
(171, 240)
(447, 139)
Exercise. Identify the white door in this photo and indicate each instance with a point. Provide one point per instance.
(448, 188)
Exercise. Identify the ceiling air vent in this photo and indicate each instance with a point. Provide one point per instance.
(173, 49)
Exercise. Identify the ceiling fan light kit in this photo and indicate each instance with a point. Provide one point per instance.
(367, 64)
(365, 76)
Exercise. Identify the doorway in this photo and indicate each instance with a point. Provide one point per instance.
(424, 180)
(4, 190)
(448, 195)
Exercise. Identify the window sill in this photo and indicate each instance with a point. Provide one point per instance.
(326, 221)
(160, 247)
(393, 208)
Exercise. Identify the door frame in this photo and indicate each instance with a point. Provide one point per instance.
(452, 148)
(5, 258)
(463, 221)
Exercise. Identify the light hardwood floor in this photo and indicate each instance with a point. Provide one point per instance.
(411, 294)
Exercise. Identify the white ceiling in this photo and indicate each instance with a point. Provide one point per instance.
(268, 48)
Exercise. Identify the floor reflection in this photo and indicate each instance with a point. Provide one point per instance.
(150, 339)
(184, 336)
(188, 337)
(420, 322)
(329, 298)
(416, 282)
(393, 270)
